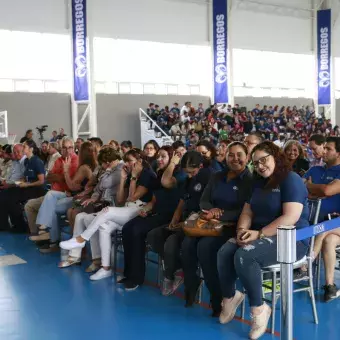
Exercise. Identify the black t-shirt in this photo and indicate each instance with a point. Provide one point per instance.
(192, 191)
(34, 167)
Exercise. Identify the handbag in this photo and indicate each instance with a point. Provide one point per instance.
(195, 226)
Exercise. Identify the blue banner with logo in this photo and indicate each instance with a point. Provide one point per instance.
(324, 56)
(79, 35)
(220, 30)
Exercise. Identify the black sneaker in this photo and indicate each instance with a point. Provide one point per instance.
(49, 248)
(331, 292)
(130, 286)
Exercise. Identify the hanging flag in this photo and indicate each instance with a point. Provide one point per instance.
(79, 35)
(220, 30)
(324, 56)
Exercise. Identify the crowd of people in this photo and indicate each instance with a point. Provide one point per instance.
(249, 185)
(217, 123)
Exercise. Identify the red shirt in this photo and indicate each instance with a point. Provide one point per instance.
(59, 169)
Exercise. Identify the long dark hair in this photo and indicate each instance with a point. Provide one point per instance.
(191, 159)
(170, 151)
(282, 164)
(87, 155)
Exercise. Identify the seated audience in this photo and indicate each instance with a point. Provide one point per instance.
(28, 136)
(208, 151)
(114, 144)
(125, 146)
(133, 194)
(295, 155)
(56, 202)
(43, 152)
(77, 145)
(150, 149)
(222, 199)
(324, 182)
(32, 186)
(166, 241)
(279, 197)
(222, 152)
(7, 164)
(179, 148)
(54, 137)
(316, 145)
(53, 155)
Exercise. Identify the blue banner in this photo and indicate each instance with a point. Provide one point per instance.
(220, 30)
(79, 35)
(324, 56)
(302, 234)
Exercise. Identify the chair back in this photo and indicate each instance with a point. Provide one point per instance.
(314, 211)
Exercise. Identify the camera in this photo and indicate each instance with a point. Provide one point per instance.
(41, 130)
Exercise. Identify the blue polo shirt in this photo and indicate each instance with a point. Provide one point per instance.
(324, 175)
(266, 204)
(167, 199)
(33, 167)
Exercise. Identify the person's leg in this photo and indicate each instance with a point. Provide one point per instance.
(32, 208)
(331, 241)
(139, 231)
(156, 239)
(71, 216)
(207, 250)
(172, 250)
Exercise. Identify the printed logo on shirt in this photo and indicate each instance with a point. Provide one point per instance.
(235, 188)
(330, 178)
(276, 190)
(198, 187)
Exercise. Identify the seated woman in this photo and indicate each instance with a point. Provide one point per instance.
(150, 149)
(135, 192)
(223, 199)
(295, 155)
(279, 197)
(167, 241)
(208, 151)
(221, 153)
(125, 146)
(155, 214)
(56, 202)
(33, 187)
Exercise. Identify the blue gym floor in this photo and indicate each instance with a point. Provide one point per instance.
(39, 301)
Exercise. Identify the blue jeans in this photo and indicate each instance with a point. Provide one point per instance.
(245, 263)
(55, 202)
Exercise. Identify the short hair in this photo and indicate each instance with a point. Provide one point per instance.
(178, 144)
(290, 143)
(45, 142)
(317, 139)
(258, 135)
(108, 155)
(240, 144)
(126, 144)
(82, 139)
(336, 141)
(191, 159)
(67, 139)
(29, 131)
(54, 145)
(96, 140)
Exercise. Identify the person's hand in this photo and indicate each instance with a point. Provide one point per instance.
(105, 210)
(143, 213)
(88, 201)
(67, 164)
(124, 173)
(214, 213)
(247, 237)
(137, 169)
(176, 158)
(23, 185)
(175, 220)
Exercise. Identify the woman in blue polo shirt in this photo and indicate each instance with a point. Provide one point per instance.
(155, 214)
(279, 197)
(32, 187)
(223, 198)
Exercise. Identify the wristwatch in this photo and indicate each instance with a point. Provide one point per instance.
(133, 178)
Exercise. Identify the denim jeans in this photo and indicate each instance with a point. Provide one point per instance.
(245, 263)
(55, 202)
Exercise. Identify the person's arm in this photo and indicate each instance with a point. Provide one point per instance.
(205, 202)
(168, 180)
(246, 217)
(55, 178)
(323, 190)
(38, 183)
(148, 207)
(177, 216)
(74, 184)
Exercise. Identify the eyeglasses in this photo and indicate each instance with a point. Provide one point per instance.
(203, 153)
(69, 148)
(262, 161)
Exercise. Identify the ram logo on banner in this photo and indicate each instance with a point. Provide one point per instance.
(79, 35)
(220, 51)
(324, 56)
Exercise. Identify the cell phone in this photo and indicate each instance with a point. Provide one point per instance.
(245, 235)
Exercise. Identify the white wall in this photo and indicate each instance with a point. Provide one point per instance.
(270, 32)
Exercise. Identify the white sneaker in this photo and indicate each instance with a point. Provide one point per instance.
(259, 323)
(229, 308)
(71, 244)
(101, 274)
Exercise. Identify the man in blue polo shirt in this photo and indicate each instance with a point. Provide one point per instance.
(324, 182)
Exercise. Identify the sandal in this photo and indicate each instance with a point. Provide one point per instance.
(71, 261)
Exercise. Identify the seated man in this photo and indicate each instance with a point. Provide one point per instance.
(324, 182)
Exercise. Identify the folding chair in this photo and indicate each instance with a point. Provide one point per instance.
(307, 260)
